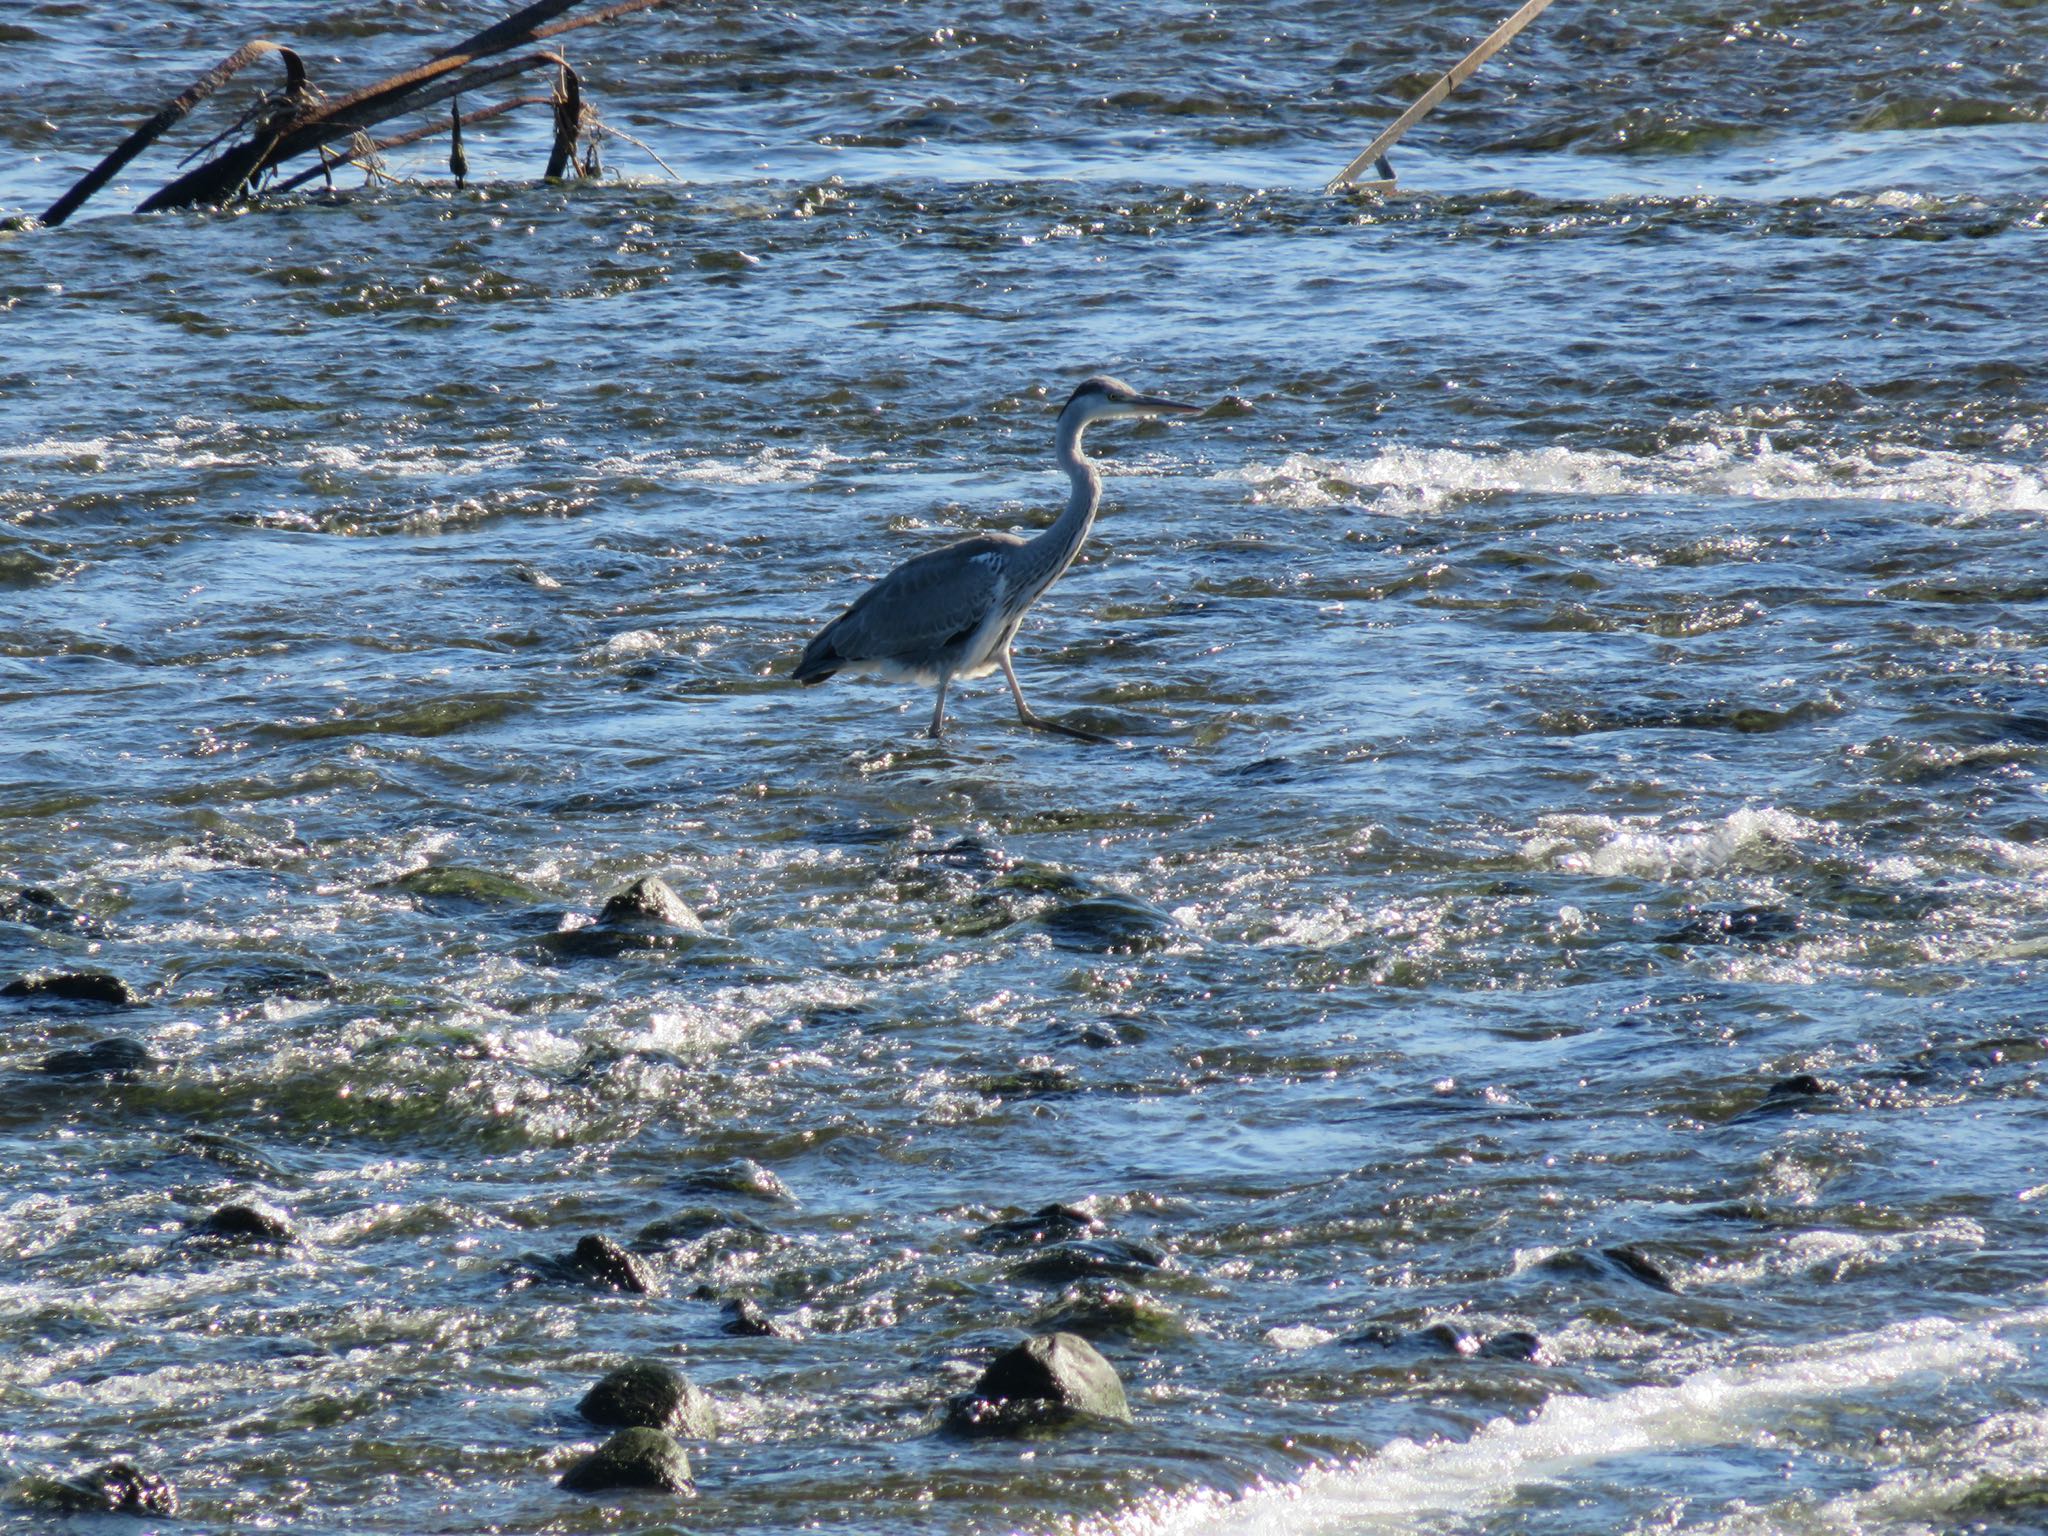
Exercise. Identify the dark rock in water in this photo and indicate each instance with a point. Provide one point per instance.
(73, 987)
(118, 1488)
(650, 900)
(35, 907)
(1443, 1338)
(1104, 1037)
(1638, 1266)
(699, 1222)
(102, 1058)
(646, 915)
(742, 1176)
(599, 1261)
(1802, 1085)
(745, 1319)
(1513, 1344)
(1609, 1263)
(632, 1458)
(226, 1150)
(1048, 1224)
(1045, 1382)
(1104, 1258)
(255, 980)
(1109, 924)
(247, 1224)
(1733, 925)
(646, 1394)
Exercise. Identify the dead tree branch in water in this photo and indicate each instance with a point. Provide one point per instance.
(300, 121)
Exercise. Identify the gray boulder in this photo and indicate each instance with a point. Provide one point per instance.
(1045, 1382)
(646, 1394)
(650, 899)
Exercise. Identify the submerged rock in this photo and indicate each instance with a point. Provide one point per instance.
(118, 1488)
(700, 1222)
(102, 1058)
(1513, 1344)
(632, 1458)
(1102, 1258)
(460, 882)
(1639, 1266)
(1043, 1383)
(1619, 1261)
(73, 987)
(1110, 924)
(741, 1176)
(646, 1394)
(650, 899)
(1053, 1223)
(1446, 1339)
(229, 1152)
(1096, 1309)
(745, 1319)
(599, 1261)
(249, 1224)
(34, 907)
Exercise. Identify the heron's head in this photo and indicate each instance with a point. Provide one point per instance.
(1105, 399)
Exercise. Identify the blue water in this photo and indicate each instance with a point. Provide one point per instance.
(1572, 862)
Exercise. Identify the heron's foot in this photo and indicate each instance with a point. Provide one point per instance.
(1040, 723)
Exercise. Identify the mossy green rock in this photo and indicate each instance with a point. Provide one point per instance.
(645, 1394)
(459, 882)
(633, 1458)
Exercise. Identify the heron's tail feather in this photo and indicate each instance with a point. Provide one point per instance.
(821, 659)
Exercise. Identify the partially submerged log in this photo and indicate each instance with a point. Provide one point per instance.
(300, 121)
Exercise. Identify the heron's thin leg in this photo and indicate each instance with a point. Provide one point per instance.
(1036, 721)
(939, 711)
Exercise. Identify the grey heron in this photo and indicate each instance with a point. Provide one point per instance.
(954, 611)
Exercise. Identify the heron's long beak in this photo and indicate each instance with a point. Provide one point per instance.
(1152, 405)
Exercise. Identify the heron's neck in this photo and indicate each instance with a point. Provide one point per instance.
(1054, 550)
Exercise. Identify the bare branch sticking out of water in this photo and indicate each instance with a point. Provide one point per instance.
(300, 122)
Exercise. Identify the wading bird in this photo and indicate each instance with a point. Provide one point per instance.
(953, 612)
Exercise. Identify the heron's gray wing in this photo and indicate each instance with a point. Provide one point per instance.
(924, 604)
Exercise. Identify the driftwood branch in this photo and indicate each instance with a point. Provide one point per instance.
(568, 101)
(333, 163)
(303, 124)
(169, 114)
(1375, 153)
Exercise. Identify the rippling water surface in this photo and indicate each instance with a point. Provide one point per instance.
(1575, 863)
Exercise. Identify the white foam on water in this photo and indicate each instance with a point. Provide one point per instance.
(1405, 481)
(1954, 1469)
(1406, 1483)
(1753, 837)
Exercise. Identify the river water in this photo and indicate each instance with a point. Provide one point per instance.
(1574, 861)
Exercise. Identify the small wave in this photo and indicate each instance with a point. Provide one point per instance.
(1404, 482)
(1751, 838)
